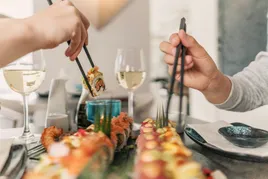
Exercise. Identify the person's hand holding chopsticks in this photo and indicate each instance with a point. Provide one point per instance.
(46, 29)
(59, 23)
(201, 72)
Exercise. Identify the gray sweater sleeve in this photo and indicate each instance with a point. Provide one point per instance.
(249, 87)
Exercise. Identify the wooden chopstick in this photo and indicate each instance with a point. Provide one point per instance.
(78, 62)
(179, 47)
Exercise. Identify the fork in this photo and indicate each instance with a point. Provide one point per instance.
(36, 151)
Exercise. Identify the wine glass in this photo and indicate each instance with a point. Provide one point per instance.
(25, 76)
(130, 72)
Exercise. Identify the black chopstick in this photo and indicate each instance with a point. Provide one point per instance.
(182, 80)
(78, 62)
(179, 47)
(88, 56)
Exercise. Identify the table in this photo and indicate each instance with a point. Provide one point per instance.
(233, 169)
(37, 108)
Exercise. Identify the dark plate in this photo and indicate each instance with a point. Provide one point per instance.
(244, 136)
(192, 134)
(43, 95)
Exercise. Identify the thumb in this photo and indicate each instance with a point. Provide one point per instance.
(192, 45)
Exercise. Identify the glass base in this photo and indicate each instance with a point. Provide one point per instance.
(27, 138)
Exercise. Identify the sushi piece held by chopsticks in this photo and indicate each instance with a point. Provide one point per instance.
(96, 81)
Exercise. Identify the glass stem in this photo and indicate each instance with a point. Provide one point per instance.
(131, 104)
(26, 117)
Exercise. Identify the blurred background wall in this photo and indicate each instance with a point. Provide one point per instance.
(242, 35)
(243, 32)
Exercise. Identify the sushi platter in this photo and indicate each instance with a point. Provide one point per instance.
(106, 150)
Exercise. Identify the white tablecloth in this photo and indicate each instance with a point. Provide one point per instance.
(9, 133)
(13, 132)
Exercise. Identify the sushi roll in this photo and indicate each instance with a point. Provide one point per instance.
(125, 118)
(107, 146)
(90, 128)
(162, 154)
(96, 81)
(51, 135)
(125, 125)
(120, 137)
(149, 164)
(188, 170)
(152, 170)
(147, 142)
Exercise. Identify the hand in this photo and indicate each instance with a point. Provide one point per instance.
(57, 24)
(201, 73)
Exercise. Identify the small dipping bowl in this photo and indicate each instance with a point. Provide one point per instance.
(244, 136)
(101, 104)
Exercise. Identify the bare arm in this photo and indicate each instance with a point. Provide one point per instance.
(46, 29)
(16, 40)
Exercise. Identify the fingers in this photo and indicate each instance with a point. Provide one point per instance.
(191, 44)
(83, 18)
(170, 47)
(174, 39)
(86, 41)
(86, 26)
(194, 48)
(82, 42)
(57, 2)
(167, 48)
(169, 59)
(186, 67)
(75, 41)
(65, 2)
(78, 29)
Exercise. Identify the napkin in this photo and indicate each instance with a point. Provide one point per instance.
(210, 133)
(5, 145)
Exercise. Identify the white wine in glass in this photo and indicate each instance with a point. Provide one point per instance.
(24, 81)
(130, 80)
(130, 72)
(25, 76)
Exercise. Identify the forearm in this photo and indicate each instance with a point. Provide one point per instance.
(249, 87)
(17, 39)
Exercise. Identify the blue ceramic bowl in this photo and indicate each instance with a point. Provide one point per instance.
(244, 136)
(91, 107)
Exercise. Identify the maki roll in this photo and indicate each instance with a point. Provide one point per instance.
(51, 135)
(123, 121)
(89, 151)
(96, 81)
(149, 165)
(162, 154)
(121, 138)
